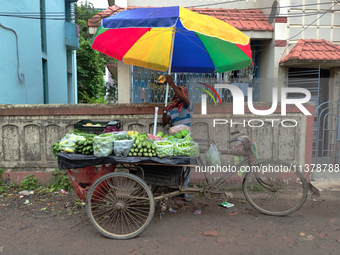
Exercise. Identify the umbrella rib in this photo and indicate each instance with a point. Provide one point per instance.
(163, 31)
(192, 41)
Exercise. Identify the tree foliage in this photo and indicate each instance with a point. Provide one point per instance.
(90, 63)
(90, 73)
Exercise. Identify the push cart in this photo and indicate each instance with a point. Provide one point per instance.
(118, 191)
(120, 204)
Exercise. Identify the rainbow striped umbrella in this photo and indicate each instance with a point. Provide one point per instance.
(172, 39)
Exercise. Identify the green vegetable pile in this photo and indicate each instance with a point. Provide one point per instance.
(187, 149)
(84, 146)
(143, 147)
(179, 135)
(122, 137)
(122, 145)
(103, 145)
(130, 143)
(68, 143)
(164, 148)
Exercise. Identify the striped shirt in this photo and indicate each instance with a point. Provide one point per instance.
(183, 117)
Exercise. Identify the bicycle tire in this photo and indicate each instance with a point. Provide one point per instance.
(279, 191)
(120, 205)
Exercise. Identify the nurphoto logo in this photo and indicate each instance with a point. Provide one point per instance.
(238, 105)
(238, 100)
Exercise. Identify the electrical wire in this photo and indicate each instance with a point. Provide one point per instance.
(68, 17)
(300, 31)
(262, 8)
(62, 16)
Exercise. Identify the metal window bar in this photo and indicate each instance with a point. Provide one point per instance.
(144, 88)
(146, 79)
(310, 79)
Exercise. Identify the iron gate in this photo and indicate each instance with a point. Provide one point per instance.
(326, 144)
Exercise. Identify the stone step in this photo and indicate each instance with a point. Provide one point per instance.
(329, 188)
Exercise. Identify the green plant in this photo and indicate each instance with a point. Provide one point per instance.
(256, 187)
(30, 182)
(93, 100)
(1, 172)
(55, 149)
(60, 180)
(12, 186)
(90, 63)
(90, 72)
(3, 186)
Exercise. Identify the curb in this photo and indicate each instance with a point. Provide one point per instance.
(329, 189)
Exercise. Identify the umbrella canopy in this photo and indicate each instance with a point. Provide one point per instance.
(172, 38)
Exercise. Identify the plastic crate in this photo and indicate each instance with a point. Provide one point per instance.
(81, 125)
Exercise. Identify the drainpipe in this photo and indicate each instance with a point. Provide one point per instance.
(74, 72)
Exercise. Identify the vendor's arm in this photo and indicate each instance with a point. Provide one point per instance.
(177, 91)
(165, 118)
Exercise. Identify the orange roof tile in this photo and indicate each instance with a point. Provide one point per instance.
(313, 50)
(244, 20)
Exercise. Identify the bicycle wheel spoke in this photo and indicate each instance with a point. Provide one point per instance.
(105, 217)
(120, 205)
(138, 213)
(101, 213)
(136, 202)
(137, 223)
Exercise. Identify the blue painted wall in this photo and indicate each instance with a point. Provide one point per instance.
(21, 55)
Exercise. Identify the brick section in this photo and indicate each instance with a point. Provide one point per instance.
(280, 43)
(281, 20)
(79, 109)
(313, 50)
(116, 109)
(244, 20)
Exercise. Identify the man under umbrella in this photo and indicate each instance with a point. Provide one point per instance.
(179, 112)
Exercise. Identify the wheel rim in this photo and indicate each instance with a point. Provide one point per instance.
(120, 206)
(275, 193)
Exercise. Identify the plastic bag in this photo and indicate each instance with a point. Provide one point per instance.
(186, 148)
(177, 129)
(103, 145)
(118, 133)
(121, 148)
(194, 150)
(68, 142)
(164, 148)
(212, 156)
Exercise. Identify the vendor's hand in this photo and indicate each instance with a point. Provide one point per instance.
(165, 109)
(169, 79)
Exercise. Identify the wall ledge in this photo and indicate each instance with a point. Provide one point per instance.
(122, 109)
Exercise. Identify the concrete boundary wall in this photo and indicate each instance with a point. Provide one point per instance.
(27, 132)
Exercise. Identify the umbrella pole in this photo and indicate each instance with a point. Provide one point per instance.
(155, 122)
(170, 63)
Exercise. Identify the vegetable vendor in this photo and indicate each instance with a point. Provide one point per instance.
(179, 111)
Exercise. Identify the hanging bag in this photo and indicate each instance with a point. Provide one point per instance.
(212, 156)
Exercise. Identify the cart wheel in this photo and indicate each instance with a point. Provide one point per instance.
(120, 205)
